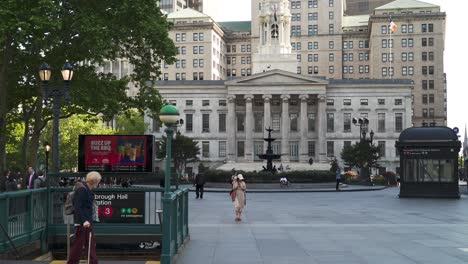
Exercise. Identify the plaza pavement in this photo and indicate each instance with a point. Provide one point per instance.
(324, 227)
(327, 227)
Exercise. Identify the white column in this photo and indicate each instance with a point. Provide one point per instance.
(266, 117)
(231, 129)
(322, 128)
(303, 146)
(407, 122)
(249, 122)
(285, 128)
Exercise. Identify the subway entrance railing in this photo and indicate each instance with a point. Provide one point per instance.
(129, 221)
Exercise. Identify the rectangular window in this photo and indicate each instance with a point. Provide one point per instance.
(361, 56)
(331, 44)
(240, 149)
(222, 123)
(311, 122)
(361, 44)
(381, 122)
(404, 71)
(410, 28)
(205, 102)
(188, 122)
(311, 148)
(195, 36)
(200, 36)
(240, 123)
(431, 84)
(423, 27)
(330, 102)
(381, 145)
(330, 15)
(330, 149)
(431, 112)
(403, 29)
(331, 69)
(398, 122)
(222, 149)
(293, 122)
(346, 101)
(206, 149)
(258, 122)
(364, 102)
(383, 29)
(205, 123)
(188, 102)
(330, 122)
(347, 122)
(381, 101)
(404, 56)
(398, 101)
(424, 112)
(275, 121)
(410, 70)
(431, 98)
(384, 43)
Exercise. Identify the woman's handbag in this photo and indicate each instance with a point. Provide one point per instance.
(233, 195)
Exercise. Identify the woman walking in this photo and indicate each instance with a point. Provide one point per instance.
(239, 187)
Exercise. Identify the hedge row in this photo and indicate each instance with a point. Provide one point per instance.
(267, 177)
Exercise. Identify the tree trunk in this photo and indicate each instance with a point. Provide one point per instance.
(37, 128)
(24, 145)
(7, 50)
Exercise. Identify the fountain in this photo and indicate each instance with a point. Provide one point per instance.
(269, 156)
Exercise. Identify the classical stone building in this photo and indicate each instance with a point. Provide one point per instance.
(311, 116)
(326, 44)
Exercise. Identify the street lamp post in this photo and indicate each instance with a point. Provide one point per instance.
(169, 115)
(56, 93)
(47, 148)
(363, 124)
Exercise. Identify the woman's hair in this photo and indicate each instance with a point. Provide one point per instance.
(93, 177)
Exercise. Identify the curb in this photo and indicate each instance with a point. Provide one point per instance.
(295, 190)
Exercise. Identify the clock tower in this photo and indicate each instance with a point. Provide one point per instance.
(274, 48)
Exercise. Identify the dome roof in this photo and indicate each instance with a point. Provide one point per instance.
(428, 134)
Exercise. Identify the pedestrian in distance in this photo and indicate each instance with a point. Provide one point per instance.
(338, 178)
(83, 203)
(239, 188)
(199, 182)
(32, 176)
(40, 181)
(10, 182)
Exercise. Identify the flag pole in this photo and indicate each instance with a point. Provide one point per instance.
(390, 44)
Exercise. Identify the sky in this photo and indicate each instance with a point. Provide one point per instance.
(455, 48)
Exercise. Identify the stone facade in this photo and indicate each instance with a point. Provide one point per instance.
(307, 115)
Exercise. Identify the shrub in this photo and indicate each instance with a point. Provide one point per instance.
(379, 180)
(267, 177)
(350, 177)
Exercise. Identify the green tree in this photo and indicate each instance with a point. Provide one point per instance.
(184, 151)
(131, 123)
(70, 129)
(86, 33)
(362, 155)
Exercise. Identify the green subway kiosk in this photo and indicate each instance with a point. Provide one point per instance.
(428, 162)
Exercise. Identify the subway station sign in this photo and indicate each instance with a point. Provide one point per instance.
(121, 207)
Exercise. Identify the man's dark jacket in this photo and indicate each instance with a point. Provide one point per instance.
(199, 179)
(83, 200)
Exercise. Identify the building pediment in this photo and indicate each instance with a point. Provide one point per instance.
(276, 78)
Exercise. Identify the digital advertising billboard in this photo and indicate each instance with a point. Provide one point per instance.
(115, 153)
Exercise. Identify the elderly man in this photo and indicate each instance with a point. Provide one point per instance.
(83, 201)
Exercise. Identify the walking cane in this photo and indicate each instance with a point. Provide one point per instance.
(89, 246)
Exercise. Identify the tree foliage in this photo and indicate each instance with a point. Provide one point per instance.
(184, 151)
(85, 33)
(131, 123)
(70, 129)
(360, 154)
